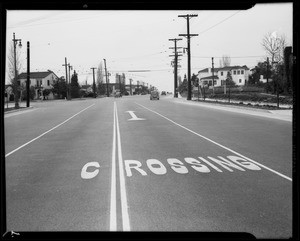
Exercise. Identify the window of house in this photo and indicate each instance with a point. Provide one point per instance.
(210, 82)
(48, 82)
(234, 72)
(239, 72)
(242, 71)
(240, 80)
(221, 73)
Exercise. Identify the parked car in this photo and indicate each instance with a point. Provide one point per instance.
(118, 94)
(163, 93)
(154, 95)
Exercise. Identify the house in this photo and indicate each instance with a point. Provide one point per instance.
(40, 81)
(239, 74)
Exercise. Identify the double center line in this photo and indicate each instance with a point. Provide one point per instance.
(113, 197)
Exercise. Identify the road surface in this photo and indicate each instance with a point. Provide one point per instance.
(131, 164)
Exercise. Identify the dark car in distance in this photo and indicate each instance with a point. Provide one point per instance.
(154, 95)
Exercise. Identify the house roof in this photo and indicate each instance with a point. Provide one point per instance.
(210, 77)
(203, 70)
(36, 75)
(225, 68)
(232, 68)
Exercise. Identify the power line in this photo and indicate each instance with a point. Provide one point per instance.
(220, 22)
(204, 57)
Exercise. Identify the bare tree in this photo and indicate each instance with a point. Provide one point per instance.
(11, 70)
(274, 45)
(100, 79)
(226, 60)
(100, 74)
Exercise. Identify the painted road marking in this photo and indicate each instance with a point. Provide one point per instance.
(113, 192)
(133, 116)
(157, 167)
(27, 143)
(18, 113)
(89, 175)
(220, 145)
(124, 206)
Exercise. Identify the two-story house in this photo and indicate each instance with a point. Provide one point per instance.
(239, 74)
(40, 81)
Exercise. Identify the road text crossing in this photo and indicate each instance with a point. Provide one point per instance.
(201, 165)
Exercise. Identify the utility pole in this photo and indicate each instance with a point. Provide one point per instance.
(28, 75)
(94, 85)
(16, 85)
(130, 80)
(213, 77)
(106, 78)
(175, 64)
(66, 77)
(69, 86)
(188, 36)
(267, 74)
(120, 83)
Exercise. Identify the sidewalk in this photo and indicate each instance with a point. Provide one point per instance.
(285, 115)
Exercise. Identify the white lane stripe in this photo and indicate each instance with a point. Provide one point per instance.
(124, 206)
(224, 147)
(8, 154)
(113, 196)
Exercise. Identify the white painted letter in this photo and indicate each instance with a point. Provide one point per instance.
(244, 163)
(197, 165)
(134, 164)
(212, 165)
(177, 165)
(225, 163)
(89, 175)
(156, 170)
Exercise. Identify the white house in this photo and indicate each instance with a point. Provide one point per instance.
(40, 81)
(240, 75)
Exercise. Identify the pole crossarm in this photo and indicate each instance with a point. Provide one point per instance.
(189, 35)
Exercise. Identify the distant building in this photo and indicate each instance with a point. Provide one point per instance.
(40, 81)
(264, 80)
(240, 75)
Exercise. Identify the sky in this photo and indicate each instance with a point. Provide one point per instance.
(134, 41)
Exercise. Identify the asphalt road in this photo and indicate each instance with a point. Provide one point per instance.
(131, 164)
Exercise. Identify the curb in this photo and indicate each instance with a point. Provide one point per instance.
(21, 109)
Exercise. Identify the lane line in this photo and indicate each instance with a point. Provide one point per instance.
(124, 206)
(27, 143)
(113, 192)
(220, 145)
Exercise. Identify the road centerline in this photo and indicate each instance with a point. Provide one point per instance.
(113, 195)
(124, 206)
(34, 139)
(220, 145)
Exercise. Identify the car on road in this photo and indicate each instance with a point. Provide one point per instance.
(163, 93)
(154, 95)
(118, 94)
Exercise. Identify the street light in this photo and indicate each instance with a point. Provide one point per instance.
(16, 77)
